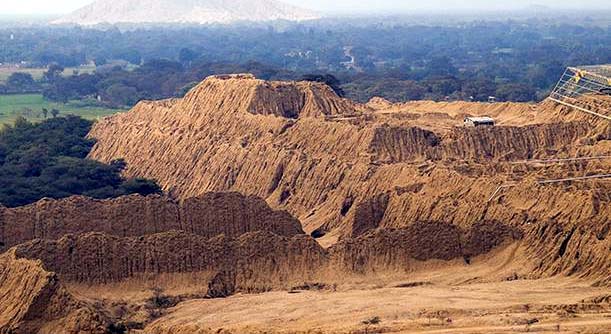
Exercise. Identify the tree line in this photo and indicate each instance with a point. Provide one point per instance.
(49, 159)
(511, 60)
(160, 79)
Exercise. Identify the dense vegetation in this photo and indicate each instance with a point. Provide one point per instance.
(48, 159)
(155, 79)
(512, 60)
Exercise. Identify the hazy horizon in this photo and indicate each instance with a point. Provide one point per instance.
(40, 7)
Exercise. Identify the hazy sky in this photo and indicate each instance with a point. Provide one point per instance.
(64, 6)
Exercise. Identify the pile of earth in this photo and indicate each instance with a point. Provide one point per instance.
(250, 167)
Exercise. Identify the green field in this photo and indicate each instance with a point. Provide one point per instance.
(37, 73)
(31, 105)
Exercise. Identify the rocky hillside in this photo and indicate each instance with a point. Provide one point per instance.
(256, 261)
(384, 190)
(322, 158)
(32, 274)
(34, 301)
(185, 11)
(209, 215)
(263, 261)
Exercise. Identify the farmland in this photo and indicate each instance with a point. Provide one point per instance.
(5, 72)
(30, 106)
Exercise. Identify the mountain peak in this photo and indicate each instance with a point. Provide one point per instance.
(185, 11)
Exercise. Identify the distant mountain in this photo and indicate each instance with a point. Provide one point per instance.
(185, 11)
(539, 8)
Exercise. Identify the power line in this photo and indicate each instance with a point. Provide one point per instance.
(581, 178)
(546, 182)
(603, 157)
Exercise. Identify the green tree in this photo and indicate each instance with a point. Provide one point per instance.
(132, 55)
(21, 82)
(53, 73)
(516, 92)
(327, 79)
(119, 95)
(140, 186)
(479, 89)
(186, 88)
(48, 159)
(187, 56)
(441, 66)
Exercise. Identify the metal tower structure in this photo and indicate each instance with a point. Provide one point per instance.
(586, 88)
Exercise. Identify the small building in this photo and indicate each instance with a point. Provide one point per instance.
(479, 121)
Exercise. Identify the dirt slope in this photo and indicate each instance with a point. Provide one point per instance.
(389, 249)
(33, 301)
(261, 261)
(209, 215)
(255, 261)
(387, 190)
(218, 138)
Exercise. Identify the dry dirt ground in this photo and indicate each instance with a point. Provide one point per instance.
(438, 298)
(506, 307)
